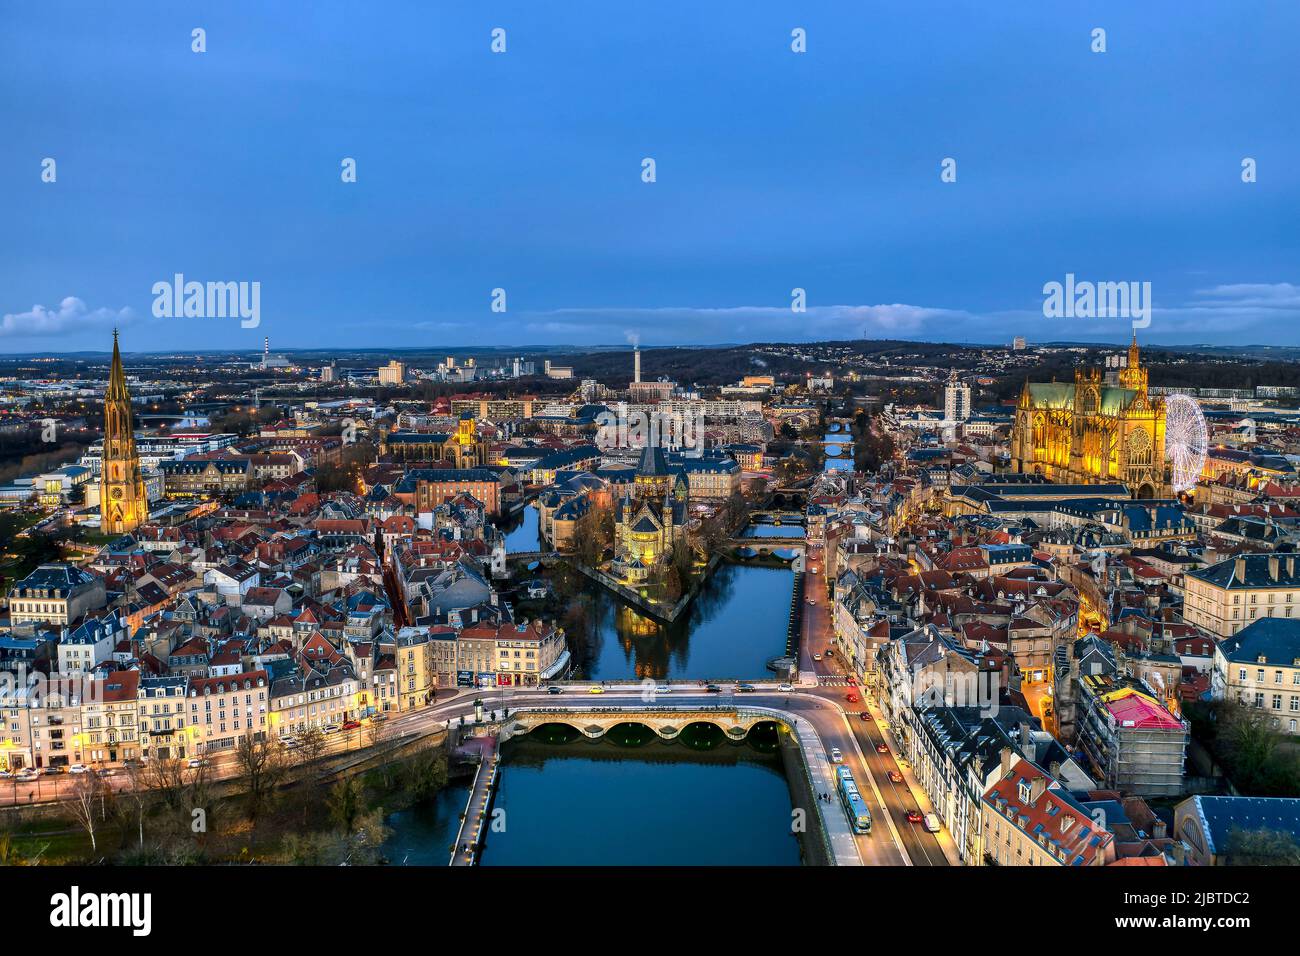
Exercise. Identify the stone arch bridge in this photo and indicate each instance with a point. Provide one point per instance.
(668, 722)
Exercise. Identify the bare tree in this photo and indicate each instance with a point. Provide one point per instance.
(137, 794)
(261, 766)
(198, 793)
(87, 801)
(167, 779)
(311, 745)
(346, 801)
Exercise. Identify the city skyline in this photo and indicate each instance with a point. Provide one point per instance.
(775, 171)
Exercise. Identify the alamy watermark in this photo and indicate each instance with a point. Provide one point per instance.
(1074, 299)
(76, 909)
(208, 300)
(978, 689)
(22, 687)
(622, 427)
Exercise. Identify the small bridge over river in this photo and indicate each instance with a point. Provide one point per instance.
(815, 772)
(667, 722)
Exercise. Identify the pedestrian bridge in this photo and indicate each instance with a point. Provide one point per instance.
(666, 721)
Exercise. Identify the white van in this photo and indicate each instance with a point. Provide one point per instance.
(931, 823)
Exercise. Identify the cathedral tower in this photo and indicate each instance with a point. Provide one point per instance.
(1134, 376)
(122, 503)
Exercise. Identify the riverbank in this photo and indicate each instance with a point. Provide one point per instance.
(314, 813)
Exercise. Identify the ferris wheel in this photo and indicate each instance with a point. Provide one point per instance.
(1186, 438)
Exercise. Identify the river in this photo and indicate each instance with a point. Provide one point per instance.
(735, 625)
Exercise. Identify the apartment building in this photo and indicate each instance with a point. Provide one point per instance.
(414, 653)
(311, 699)
(1260, 667)
(55, 594)
(160, 710)
(191, 477)
(109, 720)
(1232, 594)
(223, 709)
(1029, 819)
(91, 643)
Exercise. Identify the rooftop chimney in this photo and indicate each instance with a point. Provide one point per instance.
(1006, 757)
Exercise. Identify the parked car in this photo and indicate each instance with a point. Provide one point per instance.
(914, 816)
(195, 762)
(26, 775)
(836, 756)
(554, 690)
(330, 729)
(5, 774)
(785, 688)
(78, 768)
(106, 771)
(932, 824)
(895, 777)
(378, 718)
(881, 749)
(351, 724)
(51, 771)
(596, 690)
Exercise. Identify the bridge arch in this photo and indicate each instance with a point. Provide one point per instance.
(665, 723)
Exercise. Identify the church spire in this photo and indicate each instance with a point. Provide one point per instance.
(116, 377)
(123, 505)
(1134, 355)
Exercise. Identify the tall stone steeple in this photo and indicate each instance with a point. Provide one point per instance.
(1134, 376)
(122, 503)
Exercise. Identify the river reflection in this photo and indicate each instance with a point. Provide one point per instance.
(606, 802)
(521, 531)
(840, 456)
(736, 624)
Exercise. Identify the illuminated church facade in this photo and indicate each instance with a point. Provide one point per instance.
(650, 520)
(123, 506)
(462, 448)
(1092, 432)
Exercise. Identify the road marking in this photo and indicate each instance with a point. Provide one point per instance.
(880, 800)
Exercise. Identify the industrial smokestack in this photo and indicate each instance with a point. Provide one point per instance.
(636, 364)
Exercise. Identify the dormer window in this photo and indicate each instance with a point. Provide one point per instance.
(1023, 790)
(1066, 823)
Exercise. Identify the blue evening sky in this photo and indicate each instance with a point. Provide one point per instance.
(522, 170)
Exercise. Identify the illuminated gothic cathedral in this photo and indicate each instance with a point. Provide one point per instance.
(122, 503)
(1092, 432)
